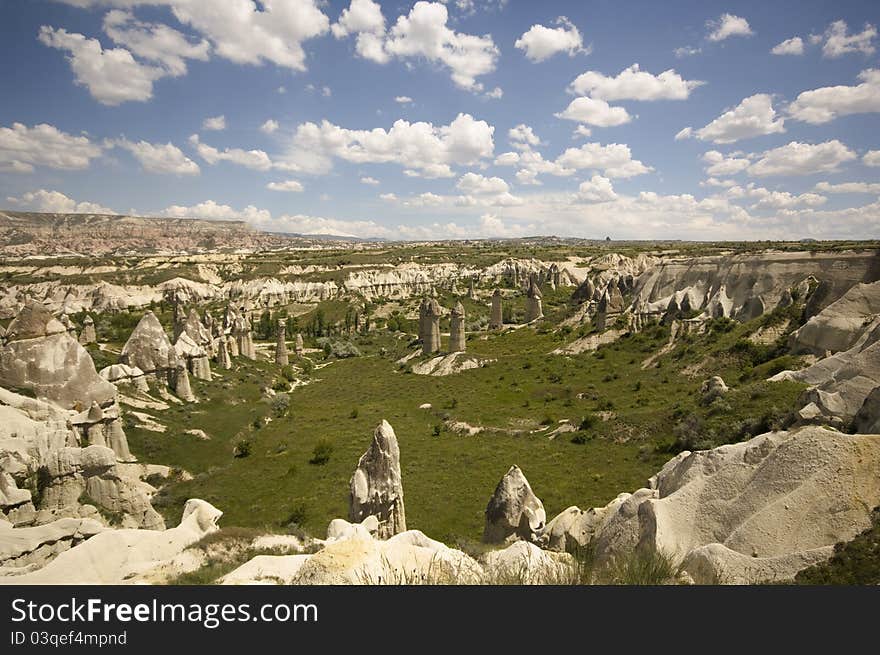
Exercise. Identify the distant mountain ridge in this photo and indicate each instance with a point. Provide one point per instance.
(32, 234)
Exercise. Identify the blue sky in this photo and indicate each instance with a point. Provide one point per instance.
(461, 119)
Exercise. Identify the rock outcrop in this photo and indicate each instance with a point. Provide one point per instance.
(299, 347)
(352, 556)
(181, 384)
(100, 427)
(750, 512)
(38, 545)
(496, 315)
(742, 286)
(224, 360)
(534, 310)
(839, 383)
(149, 349)
(88, 334)
(194, 356)
(41, 355)
(429, 326)
(121, 556)
(514, 512)
(124, 375)
(457, 338)
(376, 488)
(281, 357)
(867, 419)
(842, 323)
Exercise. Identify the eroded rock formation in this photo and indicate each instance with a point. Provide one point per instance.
(376, 488)
(514, 511)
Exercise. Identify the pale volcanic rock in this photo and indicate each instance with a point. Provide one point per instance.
(429, 326)
(457, 337)
(149, 349)
(181, 384)
(867, 419)
(534, 311)
(514, 512)
(102, 427)
(281, 358)
(40, 544)
(752, 282)
(123, 556)
(842, 323)
(841, 382)
(450, 364)
(88, 334)
(93, 470)
(224, 360)
(496, 315)
(197, 332)
(781, 499)
(524, 563)
(194, 355)
(122, 374)
(40, 354)
(376, 487)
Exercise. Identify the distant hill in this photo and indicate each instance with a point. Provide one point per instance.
(32, 234)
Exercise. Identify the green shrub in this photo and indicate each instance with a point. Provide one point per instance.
(242, 448)
(281, 405)
(321, 453)
(297, 516)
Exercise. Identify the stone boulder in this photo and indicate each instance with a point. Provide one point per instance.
(514, 512)
(376, 488)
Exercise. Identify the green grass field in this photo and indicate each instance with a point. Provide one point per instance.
(636, 419)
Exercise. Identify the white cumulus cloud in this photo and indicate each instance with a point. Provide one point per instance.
(827, 103)
(22, 148)
(752, 117)
(55, 202)
(792, 46)
(540, 43)
(634, 84)
(592, 111)
(160, 157)
(798, 158)
(726, 26)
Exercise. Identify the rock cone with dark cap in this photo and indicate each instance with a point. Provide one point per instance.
(376, 488)
(88, 334)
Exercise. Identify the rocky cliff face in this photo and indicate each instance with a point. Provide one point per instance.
(745, 286)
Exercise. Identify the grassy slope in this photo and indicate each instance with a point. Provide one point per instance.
(448, 478)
